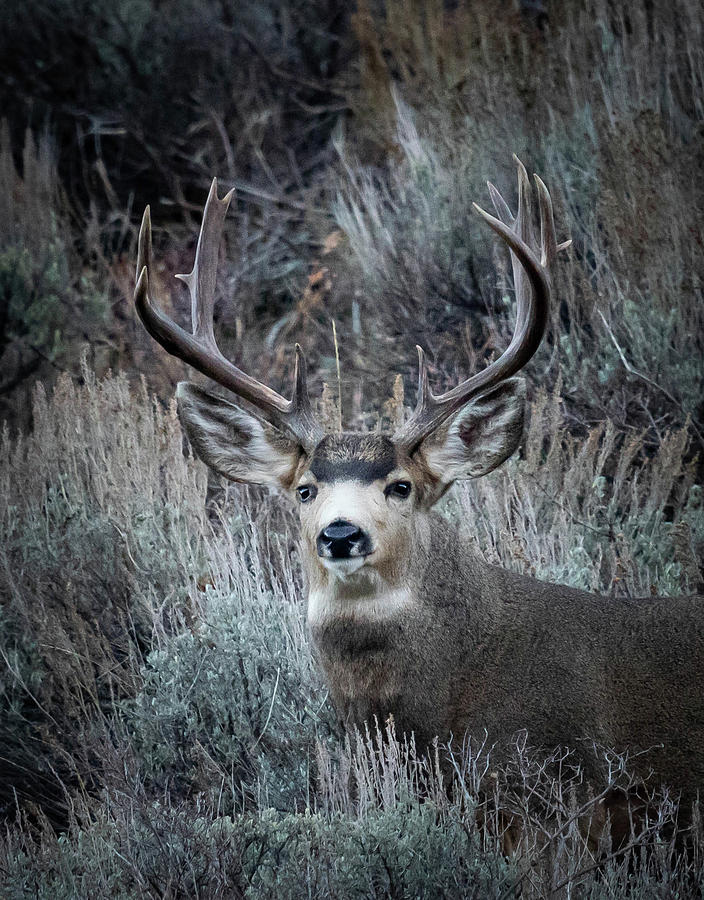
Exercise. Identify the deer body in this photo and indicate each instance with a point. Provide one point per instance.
(405, 620)
(568, 667)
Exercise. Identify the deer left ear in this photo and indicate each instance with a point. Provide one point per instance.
(233, 442)
(480, 437)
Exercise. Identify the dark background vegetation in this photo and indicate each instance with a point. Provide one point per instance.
(163, 728)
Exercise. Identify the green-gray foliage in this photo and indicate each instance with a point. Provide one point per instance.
(395, 853)
(46, 307)
(585, 512)
(34, 298)
(164, 730)
(234, 700)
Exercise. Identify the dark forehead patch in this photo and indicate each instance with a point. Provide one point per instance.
(359, 457)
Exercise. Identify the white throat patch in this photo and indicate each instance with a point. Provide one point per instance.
(325, 605)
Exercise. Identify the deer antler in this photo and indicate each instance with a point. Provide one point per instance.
(200, 349)
(532, 305)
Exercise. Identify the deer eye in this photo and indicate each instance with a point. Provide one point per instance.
(400, 489)
(306, 492)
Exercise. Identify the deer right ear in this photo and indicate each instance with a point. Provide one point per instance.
(480, 437)
(233, 442)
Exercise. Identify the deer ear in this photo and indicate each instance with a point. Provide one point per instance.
(234, 443)
(481, 436)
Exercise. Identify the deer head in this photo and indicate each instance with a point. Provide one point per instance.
(362, 497)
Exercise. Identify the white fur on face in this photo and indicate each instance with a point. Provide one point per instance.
(364, 588)
(351, 501)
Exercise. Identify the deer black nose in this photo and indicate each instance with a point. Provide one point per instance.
(340, 540)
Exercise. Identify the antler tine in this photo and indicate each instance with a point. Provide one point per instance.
(531, 310)
(201, 279)
(501, 207)
(200, 349)
(549, 248)
(522, 226)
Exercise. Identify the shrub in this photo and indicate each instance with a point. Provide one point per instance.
(96, 497)
(232, 705)
(172, 90)
(585, 512)
(41, 318)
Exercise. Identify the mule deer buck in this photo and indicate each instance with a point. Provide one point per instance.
(406, 621)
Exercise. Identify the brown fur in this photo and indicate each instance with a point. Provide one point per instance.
(485, 649)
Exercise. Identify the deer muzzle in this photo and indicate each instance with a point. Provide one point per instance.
(343, 540)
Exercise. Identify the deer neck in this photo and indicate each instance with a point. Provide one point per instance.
(357, 625)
